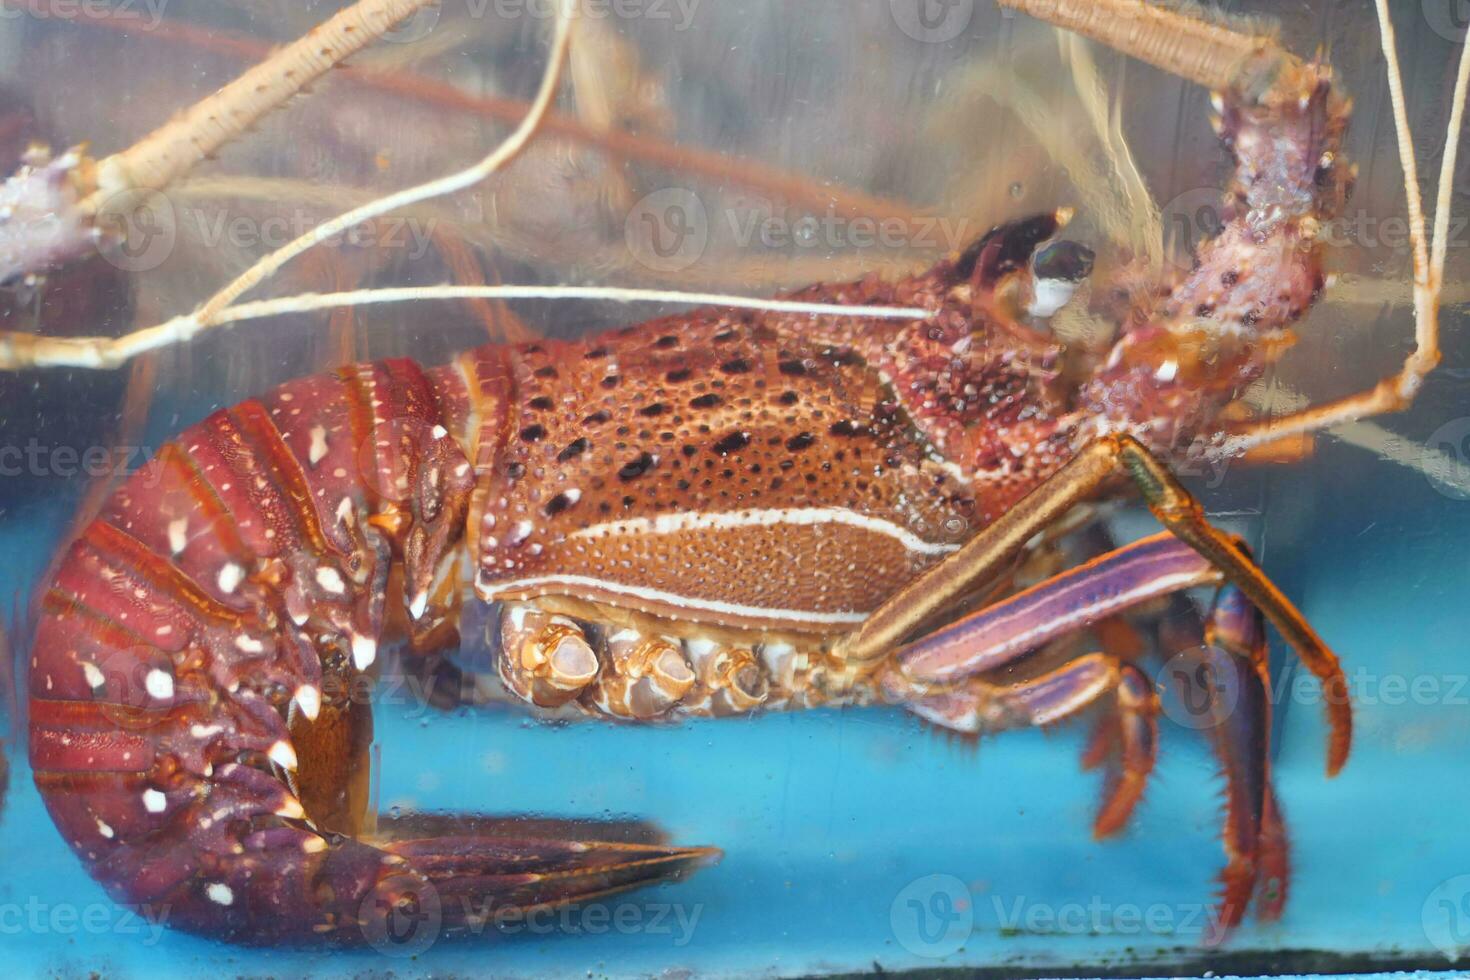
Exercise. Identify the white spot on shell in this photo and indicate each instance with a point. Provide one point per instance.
(154, 801)
(309, 700)
(95, 680)
(103, 829)
(246, 643)
(230, 577)
(178, 534)
(283, 755)
(220, 893)
(331, 580)
(318, 448)
(419, 605)
(364, 651)
(160, 684)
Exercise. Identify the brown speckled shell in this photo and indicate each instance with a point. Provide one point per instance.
(692, 417)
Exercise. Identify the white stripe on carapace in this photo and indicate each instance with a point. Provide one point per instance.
(673, 523)
(490, 594)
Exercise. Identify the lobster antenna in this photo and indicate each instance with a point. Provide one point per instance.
(173, 149)
(21, 350)
(1214, 55)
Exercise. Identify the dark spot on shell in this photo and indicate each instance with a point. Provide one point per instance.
(723, 336)
(633, 469)
(690, 450)
(654, 410)
(733, 442)
(792, 367)
(705, 401)
(736, 365)
(532, 433)
(595, 353)
(546, 372)
(557, 504)
(515, 471)
(667, 341)
(611, 381)
(542, 402)
(674, 377)
(799, 442)
(1204, 309)
(596, 418)
(788, 398)
(1229, 277)
(848, 428)
(574, 449)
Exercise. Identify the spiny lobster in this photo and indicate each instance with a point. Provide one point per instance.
(703, 515)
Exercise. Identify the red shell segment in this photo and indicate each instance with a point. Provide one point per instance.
(708, 467)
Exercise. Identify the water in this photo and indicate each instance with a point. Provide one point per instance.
(854, 841)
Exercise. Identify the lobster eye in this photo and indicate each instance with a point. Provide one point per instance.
(1056, 270)
(1069, 261)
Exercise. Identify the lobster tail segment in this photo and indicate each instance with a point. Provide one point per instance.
(191, 730)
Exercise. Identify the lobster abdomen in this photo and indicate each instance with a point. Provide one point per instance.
(199, 612)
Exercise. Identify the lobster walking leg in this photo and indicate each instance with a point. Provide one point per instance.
(181, 680)
(1235, 672)
(907, 610)
(961, 678)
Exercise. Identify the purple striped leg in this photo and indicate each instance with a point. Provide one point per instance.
(994, 670)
